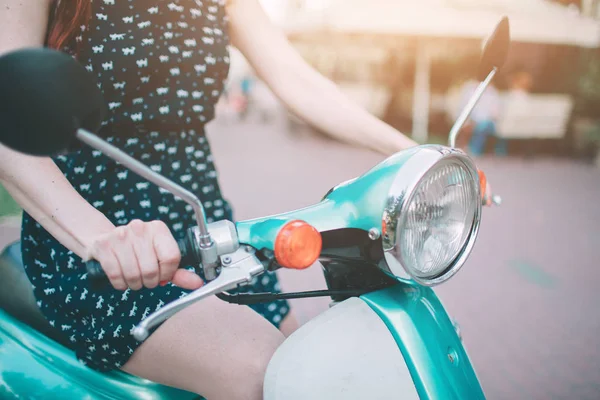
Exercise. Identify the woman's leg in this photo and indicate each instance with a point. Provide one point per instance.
(289, 324)
(212, 348)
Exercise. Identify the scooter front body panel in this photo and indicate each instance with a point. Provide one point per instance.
(357, 203)
(33, 366)
(427, 338)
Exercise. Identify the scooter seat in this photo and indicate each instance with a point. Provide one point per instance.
(35, 366)
(16, 294)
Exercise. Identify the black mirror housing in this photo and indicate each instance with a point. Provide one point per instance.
(45, 97)
(495, 50)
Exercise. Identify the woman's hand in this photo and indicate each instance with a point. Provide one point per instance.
(141, 254)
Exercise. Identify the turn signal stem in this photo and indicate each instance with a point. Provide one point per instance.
(482, 184)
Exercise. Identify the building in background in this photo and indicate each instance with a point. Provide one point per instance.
(403, 59)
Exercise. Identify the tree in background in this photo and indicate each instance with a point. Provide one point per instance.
(8, 207)
(587, 103)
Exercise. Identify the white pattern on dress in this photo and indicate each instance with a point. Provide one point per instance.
(165, 64)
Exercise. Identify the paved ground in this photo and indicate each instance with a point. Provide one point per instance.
(527, 300)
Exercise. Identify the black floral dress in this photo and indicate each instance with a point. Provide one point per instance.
(161, 65)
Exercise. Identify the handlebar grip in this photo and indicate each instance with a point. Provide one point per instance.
(98, 279)
(96, 275)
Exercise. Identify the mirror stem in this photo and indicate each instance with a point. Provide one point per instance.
(206, 246)
(469, 107)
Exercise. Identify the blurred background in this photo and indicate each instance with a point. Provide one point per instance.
(527, 299)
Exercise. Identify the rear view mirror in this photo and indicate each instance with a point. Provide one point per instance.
(45, 97)
(493, 57)
(495, 50)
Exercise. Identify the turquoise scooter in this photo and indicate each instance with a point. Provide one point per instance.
(383, 240)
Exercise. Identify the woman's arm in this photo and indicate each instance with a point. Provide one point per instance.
(306, 92)
(136, 255)
(22, 23)
(38, 185)
(34, 181)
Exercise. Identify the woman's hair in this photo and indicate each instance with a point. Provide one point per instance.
(65, 21)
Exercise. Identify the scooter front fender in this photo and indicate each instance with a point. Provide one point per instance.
(33, 366)
(433, 351)
(396, 343)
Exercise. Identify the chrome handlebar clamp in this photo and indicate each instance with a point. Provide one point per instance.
(224, 240)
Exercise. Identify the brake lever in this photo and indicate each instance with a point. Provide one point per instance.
(238, 268)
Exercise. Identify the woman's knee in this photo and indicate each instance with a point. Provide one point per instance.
(249, 385)
(214, 349)
(246, 383)
(289, 324)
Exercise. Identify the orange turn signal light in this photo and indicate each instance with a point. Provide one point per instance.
(298, 245)
(482, 183)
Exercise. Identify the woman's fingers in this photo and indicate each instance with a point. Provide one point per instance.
(110, 264)
(187, 279)
(144, 252)
(123, 250)
(166, 249)
(103, 253)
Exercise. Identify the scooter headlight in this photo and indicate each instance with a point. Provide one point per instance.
(432, 215)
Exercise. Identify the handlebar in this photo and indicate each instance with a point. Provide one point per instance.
(189, 256)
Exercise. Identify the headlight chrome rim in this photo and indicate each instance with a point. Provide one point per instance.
(399, 198)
